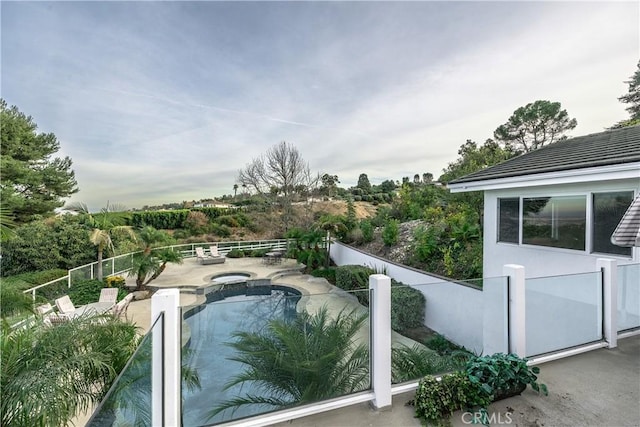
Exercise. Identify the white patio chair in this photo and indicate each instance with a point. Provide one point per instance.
(108, 295)
(65, 306)
(44, 308)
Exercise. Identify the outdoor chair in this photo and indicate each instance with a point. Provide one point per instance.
(108, 295)
(207, 259)
(44, 309)
(53, 319)
(65, 306)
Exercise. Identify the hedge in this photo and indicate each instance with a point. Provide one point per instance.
(407, 303)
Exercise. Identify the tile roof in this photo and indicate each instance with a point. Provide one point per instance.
(598, 149)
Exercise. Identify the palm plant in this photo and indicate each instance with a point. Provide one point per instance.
(107, 224)
(311, 358)
(150, 263)
(411, 363)
(49, 374)
(331, 224)
(13, 302)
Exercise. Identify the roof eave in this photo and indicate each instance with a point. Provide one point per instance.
(602, 173)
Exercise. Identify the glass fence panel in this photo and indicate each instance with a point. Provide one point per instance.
(107, 267)
(122, 263)
(562, 312)
(257, 347)
(417, 350)
(128, 401)
(628, 296)
(53, 290)
(81, 273)
(495, 315)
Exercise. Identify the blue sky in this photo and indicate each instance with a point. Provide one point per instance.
(165, 101)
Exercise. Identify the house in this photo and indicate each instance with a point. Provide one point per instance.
(553, 210)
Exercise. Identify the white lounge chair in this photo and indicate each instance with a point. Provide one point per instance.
(44, 309)
(208, 259)
(108, 295)
(53, 319)
(65, 306)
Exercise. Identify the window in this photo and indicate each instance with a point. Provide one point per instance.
(608, 209)
(508, 220)
(558, 222)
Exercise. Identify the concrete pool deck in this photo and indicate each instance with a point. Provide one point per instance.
(598, 388)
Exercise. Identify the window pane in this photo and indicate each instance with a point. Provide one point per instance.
(508, 219)
(608, 209)
(555, 221)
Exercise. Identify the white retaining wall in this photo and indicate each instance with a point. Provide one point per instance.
(452, 309)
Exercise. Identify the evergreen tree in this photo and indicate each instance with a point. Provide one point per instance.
(33, 183)
(536, 124)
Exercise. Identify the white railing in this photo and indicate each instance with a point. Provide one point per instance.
(121, 264)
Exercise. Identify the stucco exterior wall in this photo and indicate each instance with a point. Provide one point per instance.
(452, 309)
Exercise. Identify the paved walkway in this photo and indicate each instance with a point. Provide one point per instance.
(599, 388)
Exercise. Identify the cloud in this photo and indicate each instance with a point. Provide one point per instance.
(164, 101)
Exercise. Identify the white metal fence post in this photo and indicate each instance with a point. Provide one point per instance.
(609, 270)
(380, 321)
(517, 318)
(166, 399)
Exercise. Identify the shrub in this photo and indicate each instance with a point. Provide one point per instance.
(353, 277)
(221, 230)
(25, 281)
(114, 282)
(407, 304)
(390, 232)
(436, 400)
(196, 222)
(410, 363)
(88, 291)
(235, 253)
(501, 375)
(328, 273)
(228, 220)
(367, 230)
(407, 308)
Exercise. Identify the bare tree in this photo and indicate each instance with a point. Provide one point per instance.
(280, 174)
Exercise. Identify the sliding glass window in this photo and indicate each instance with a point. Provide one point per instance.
(508, 220)
(558, 222)
(608, 209)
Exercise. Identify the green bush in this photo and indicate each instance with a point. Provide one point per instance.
(353, 277)
(235, 253)
(390, 232)
(25, 281)
(367, 230)
(436, 400)
(407, 308)
(407, 303)
(228, 220)
(501, 375)
(327, 273)
(88, 291)
(221, 230)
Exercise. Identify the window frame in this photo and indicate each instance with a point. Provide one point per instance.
(589, 220)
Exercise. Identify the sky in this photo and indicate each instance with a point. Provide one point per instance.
(158, 102)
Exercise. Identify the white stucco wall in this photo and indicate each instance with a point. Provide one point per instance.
(542, 261)
(452, 309)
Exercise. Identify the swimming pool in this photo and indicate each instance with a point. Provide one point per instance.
(248, 307)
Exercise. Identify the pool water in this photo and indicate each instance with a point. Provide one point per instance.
(243, 308)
